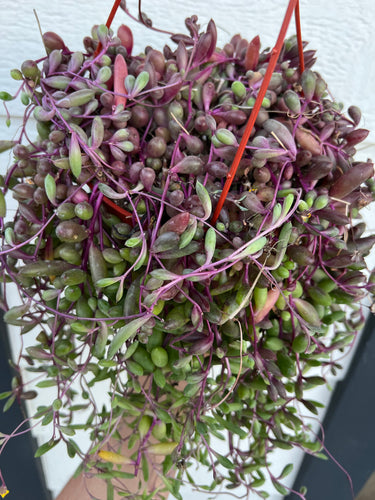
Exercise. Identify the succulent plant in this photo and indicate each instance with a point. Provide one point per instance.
(200, 328)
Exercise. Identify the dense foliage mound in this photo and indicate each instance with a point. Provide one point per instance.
(199, 329)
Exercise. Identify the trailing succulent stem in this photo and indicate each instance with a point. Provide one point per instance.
(199, 329)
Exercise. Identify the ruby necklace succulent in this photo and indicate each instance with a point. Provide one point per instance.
(204, 317)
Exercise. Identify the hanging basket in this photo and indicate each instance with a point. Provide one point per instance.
(187, 232)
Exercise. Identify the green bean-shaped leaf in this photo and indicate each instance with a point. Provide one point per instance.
(46, 447)
(287, 205)
(276, 213)
(101, 340)
(141, 259)
(59, 82)
(151, 299)
(50, 187)
(191, 248)
(97, 132)
(5, 145)
(292, 101)
(260, 297)
(135, 241)
(3, 206)
(81, 134)
(205, 199)
(37, 353)
(5, 96)
(252, 248)
(15, 313)
(129, 83)
(308, 82)
(210, 244)
(125, 333)
(282, 244)
(279, 487)
(131, 350)
(239, 89)
(300, 343)
(224, 461)
(45, 268)
(126, 146)
(9, 236)
(189, 232)
(102, 283)
(77, 98)
(307, 312)
(62, 163)
(226, 137)
(75, 158)
(163, 274)
(162, 448)
(140, 82)
(120, 291)
(120, 135)
(286, 471)
(98, 265)
(104, 74)
(110, 193)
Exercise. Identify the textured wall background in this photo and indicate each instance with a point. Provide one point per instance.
(340, 31)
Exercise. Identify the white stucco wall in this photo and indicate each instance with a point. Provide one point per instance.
(340, 31)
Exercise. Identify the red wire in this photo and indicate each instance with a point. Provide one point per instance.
(299, 38)
(112, 14)
(116, 5)
(293, 4)
(124, 215)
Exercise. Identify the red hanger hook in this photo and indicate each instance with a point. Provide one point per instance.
(293, 6)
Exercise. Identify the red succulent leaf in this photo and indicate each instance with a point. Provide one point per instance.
(252, 54)
(126, 36)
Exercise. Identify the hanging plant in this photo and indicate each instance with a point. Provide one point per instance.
(187, 231)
